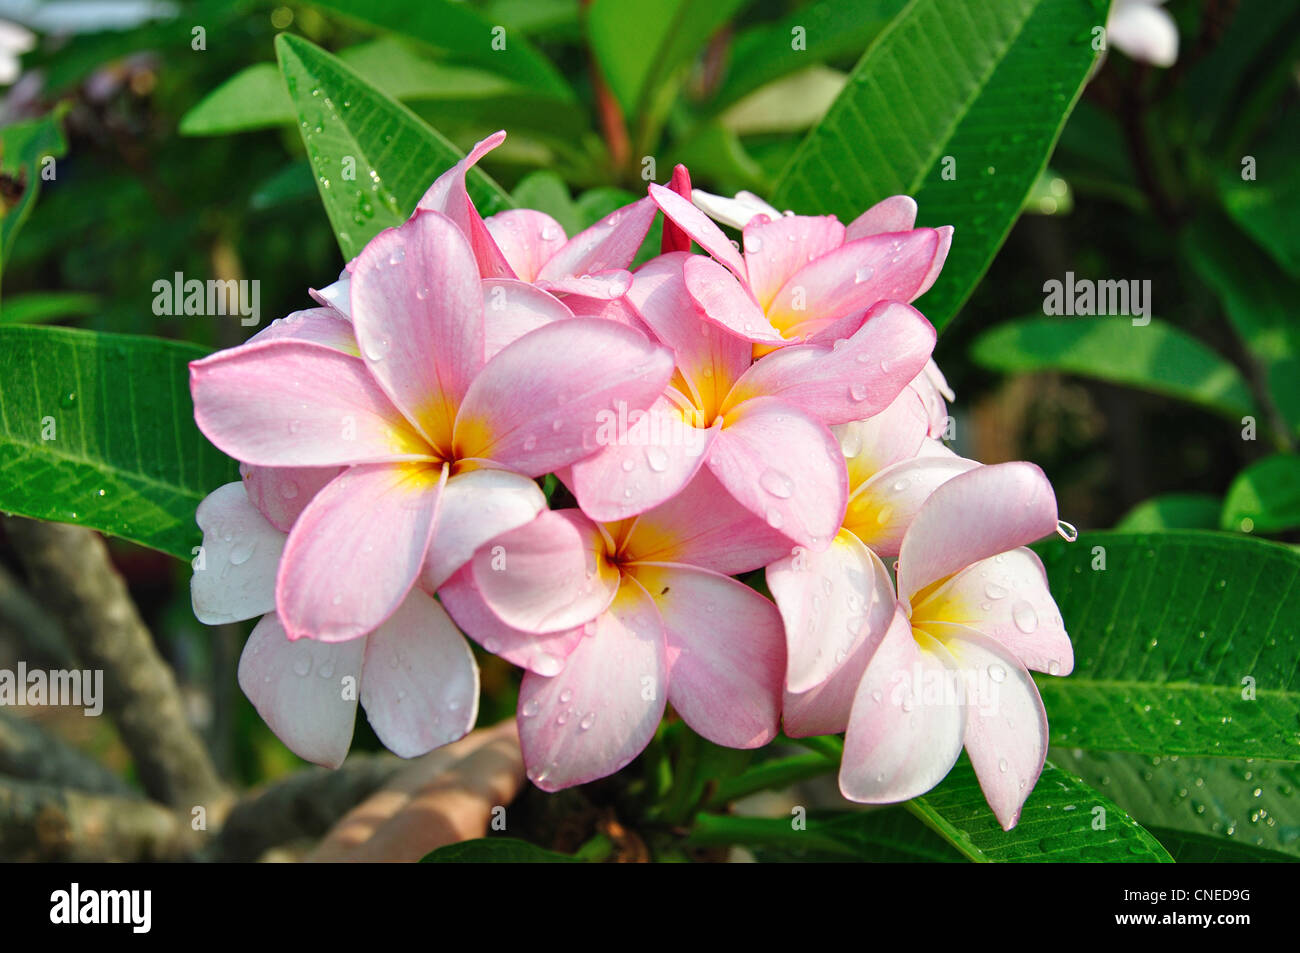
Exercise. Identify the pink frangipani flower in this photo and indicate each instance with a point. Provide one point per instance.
(414, 674)
(806, 278)
(646, 613)
(434, 433)
(760, 427)
(974, 614)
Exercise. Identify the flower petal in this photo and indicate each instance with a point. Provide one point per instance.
(282, 493)
(726, 653)
(1006, 598)
(785, 467)
(356, 551)
(726, 302)
(860, 377)
(420, 689)
(704, 526)
(908, 720)
(602, 285)
(674, 238)
(698, 225)
(448, 196)
(234, 578)
(538, 405)
(857, 275)
(776, 249)
(298, 404)
(894, 214)
(983, 512)
(543, 654)
(736, 212)
(1006, 726)
(417, 306)
(476, 507)
(549, 575)
(321, 325)
(891, 436)
(881, 510)
(337, 296)
(527, 239)
(512, 308)
(602, 710)
(610, 244)
(831, 602)
(300, 690)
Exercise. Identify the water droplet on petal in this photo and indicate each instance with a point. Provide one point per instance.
(777, 483)
(1024, 616)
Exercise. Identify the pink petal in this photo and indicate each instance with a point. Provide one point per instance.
(888, 267)
(235, 579)
(933, 389)
(298, 404)
(674, 238)
(831, 602)
(824, 709)
(986, 511)
(785, 467)
(726, 653)
(512, 308)
(610, 244)
(549, 575)
(709, 358)
(602, 285)
(617, 310)
(356, 551)
(726, 302)
(881, 510)
(936, 263)
(417, 306)
(282, 493)
(420, 689)
(527, 239)
(476, 507)
(891, 436)
(908, 720)
(1006, 598)
(641, 465)
(602, 710)
(704, 526)
(321, 325)
(337, 297)
(860, 377)
(1006, 726)
(894, 214)
(543, 654)
(305, 691)
(448, 196)
(699, 227)
(776, 249)
(539, 404)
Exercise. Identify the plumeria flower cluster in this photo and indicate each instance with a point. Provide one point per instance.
(767, 404)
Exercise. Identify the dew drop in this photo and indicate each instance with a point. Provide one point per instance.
(994, 591)
(1024, 616)
(656, 458)
(777, 483)
(531, 708)
(1066, 531)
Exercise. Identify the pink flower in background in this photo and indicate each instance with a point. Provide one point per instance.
(760, 427)
(645, 613)
(414, 674)
(436, 436)
(804, 278)
(974, 614)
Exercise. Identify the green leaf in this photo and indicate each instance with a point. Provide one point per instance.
(24, 147)
(639, 46)
(1266, 208)
(1184, 643)
(1059, 822)
(98, 430)
(1259, 299)
(396, 155)
(253, 98)
(1172, 511)
(946, 86)
(1266, 493)
(831, 29)
(879, 836)
(1156, 357)
(546, 192)
(1199, 849)
(463, 34)
(1244, 804)
(496, 850)
(42, 306)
